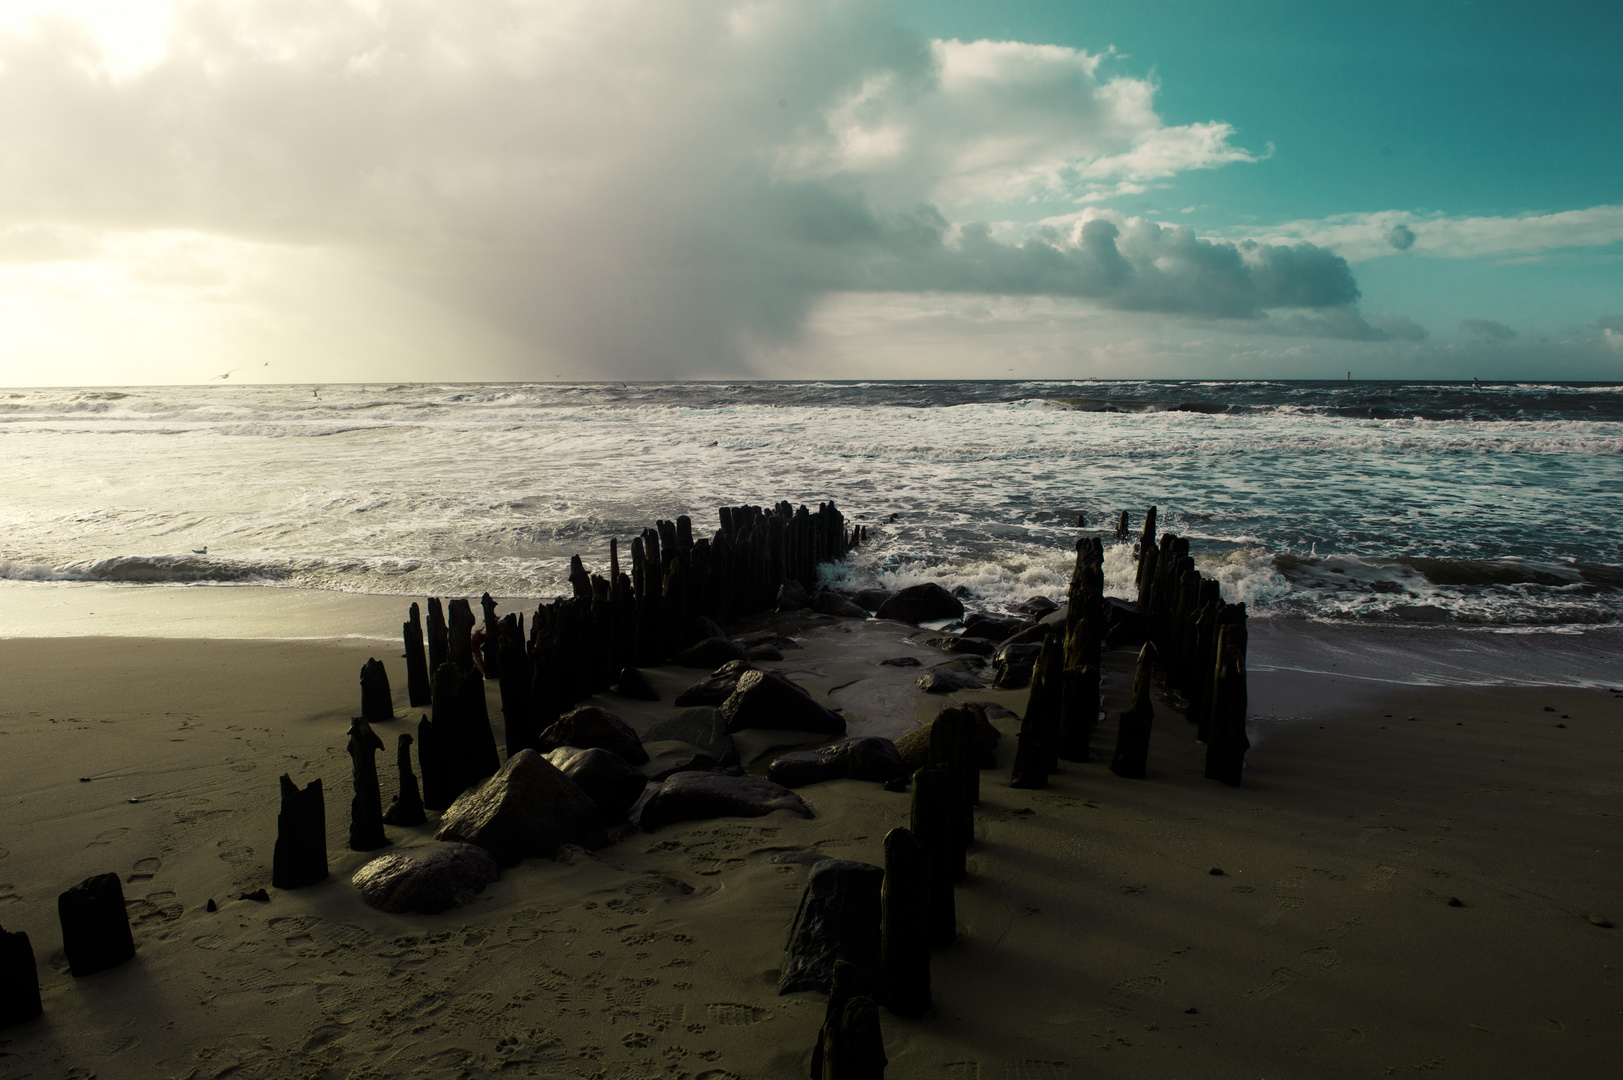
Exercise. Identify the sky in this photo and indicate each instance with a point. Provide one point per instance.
(319, 191)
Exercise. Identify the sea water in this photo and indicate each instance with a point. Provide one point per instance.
(1494, 507)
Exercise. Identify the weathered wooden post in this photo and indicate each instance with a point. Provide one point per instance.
(300, 857)
(850, 1045)
(459, 635)
(490, 644)
(1226, 742)
(1146, 545)
(95, 926)
(1133, 730)
(439, 744)
(19, 978)
(407, 806)
(904, 950)
(366, 807)
(515, 680)
(938, 829)
(439, 637)
(417, 692)
(479, 756)
(952, 747)
(377, 701)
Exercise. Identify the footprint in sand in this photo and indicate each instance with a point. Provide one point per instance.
(103, 839)
(144, 870)
(1324, 956)
(1149, 986)
(1380, 879)
(1282, 904)
(961, 1070)
(729, 1014)
(1281, 980)
(235, 852)
(1037, 1070)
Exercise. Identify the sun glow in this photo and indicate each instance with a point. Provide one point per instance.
(132, 34)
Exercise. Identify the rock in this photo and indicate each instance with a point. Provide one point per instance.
(703, 729)
(526, 810)
(868, 757)
(300, 855)
(872, 599)
(774, 641)
(902, 661)
(591, 726)
(95, 927)
(19, 979)
(668, 759)
(995, 711)
(914, 747)
(832, 603)
(717, 688)
(1014, 664)
(634, 684)
(762, 654)
(1037, 606)
(838, 919)
(987, 628)
(428, 879)
(608, 779)
(943, 681)
(951, 643)
(699, 796)
(708, 654)
(791, 597)
(770, 699)
(923, 603)
(1124, 624)
(703, 626)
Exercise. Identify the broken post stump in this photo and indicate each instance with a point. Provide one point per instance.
(19, 979)
(850, 1044)
(377, 702)
(301, 836)
(439, 638)
(1133, 729)
(411, 631)
(407, 807)
(1226, 739)
(937, 828)
(904, 951)
(95, 927)
(366, 808)
(459, 636)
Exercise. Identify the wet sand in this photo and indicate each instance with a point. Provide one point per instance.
(1094, 939)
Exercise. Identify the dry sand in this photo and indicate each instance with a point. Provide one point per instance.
(1095, 941)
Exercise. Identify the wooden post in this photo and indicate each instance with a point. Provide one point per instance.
(377, 701)
(439, 744)
(515, 680)
(95, 925)
(1227, 743)
(366, 808)
(1133, 730)
(904, 950)
(416, 661)
(937, 829)
(439, 648)
(407, 807)
(479, 757)
(19, 978)
(459, 635)
(952, 746)
(300, 856)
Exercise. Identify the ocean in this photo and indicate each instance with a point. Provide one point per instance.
(1495, 507)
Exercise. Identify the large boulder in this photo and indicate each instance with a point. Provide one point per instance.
(914, 747)
(608, 779)
(1037, 606)
(791, 597)
(870, 757)
(838, 919)
(699, 796)
(717, 687)
(945, 681)
(709, 654)
(591, 726)
(428, 879)
(701, 728)
(770, 699)
(527, 810)
(927, 602)
(872, 599)
(774, 641)
(832, 603)
(988, 628)
(634, 684)
(956, 645)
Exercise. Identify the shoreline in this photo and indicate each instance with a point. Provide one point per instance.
(1089, 927)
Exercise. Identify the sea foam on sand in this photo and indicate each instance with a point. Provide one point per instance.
(1095, 938)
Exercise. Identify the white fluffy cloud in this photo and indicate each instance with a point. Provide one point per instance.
(614, 186)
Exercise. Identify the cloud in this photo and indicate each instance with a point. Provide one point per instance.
(621, 186)
(1372, 235)
(1613, 323)
(1488, 330)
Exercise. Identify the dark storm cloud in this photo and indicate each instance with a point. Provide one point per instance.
(1488, 330)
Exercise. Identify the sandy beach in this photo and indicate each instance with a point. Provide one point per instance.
(1096, 936)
